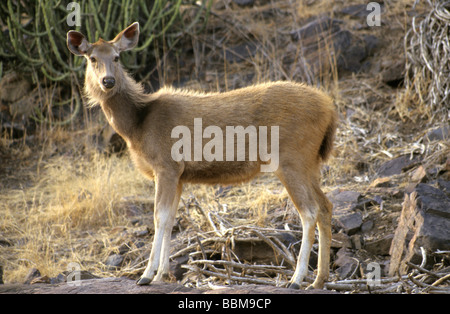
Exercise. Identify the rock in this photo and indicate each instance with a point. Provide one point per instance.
(438, 134)
(393, 72)
(256, 251)
(340, 240)
(17, 102)
(353, 50)
(324, 36)
(345, 209)
(241, 52)
(114, 260)
(1, 274)
(244, 2)
(42, 279)
(346, 263)
(444, 185)
(32, 274)
(357, 241)
(317, 27)
(379, 246)
(344, 197)
(397, 165)
(351, 223)
(13, 87)
(176, 266)
(367, 226)
(356, 10)
(426, 215)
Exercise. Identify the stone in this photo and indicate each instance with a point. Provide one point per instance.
(379, 246)
(322, 36)
(32, 274)
(338, 196)
(438, 134)
(346, 263)
(114, 260)
(350, 223)
(244, 2)
(397, 165)
(426, 215)
(340, 240)
(345, 209)
(393, 72)
(367, 226)
(356, 10)
(241, 52)
(317, 27)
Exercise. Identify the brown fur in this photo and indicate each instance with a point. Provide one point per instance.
(306, 120)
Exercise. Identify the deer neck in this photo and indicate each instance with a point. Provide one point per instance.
(121, 114)
(122, 108)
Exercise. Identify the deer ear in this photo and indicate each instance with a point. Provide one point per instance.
(77, 43)
(128, 38)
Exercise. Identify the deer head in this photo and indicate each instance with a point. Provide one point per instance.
(103, 67)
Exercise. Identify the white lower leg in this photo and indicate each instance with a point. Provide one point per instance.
(163, 222)
(164, 263)
(323, 265)
(153, 262)
(301, 270)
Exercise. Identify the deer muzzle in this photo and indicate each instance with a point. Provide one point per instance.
(109, 82)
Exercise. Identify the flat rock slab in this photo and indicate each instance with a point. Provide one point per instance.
(128, 286)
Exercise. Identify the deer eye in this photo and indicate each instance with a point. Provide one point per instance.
(116, 59)
(93, 59)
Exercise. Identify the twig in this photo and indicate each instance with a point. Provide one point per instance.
(271, 268)
(228, 277)
(287, 257)
(441, 280)
(423, 270)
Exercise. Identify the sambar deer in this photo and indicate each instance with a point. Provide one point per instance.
(306, 121)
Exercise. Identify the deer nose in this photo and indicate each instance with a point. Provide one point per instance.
(109, 82)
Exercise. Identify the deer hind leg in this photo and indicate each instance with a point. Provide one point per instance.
(167, 187)
(303, 193)
(324, 226)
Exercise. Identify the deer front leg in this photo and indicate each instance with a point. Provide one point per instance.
(164, 263)
(166, 192)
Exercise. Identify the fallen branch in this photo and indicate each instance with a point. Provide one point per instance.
(259, 281)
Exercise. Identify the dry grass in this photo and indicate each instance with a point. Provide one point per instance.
(61, 201)
(71, 197)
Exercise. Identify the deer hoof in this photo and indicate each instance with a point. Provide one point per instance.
(143, 281)
(294, 286)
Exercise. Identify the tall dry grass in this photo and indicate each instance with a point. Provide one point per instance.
(71, 196)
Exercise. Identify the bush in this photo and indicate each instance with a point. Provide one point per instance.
(33, 37)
